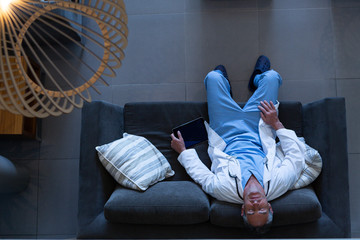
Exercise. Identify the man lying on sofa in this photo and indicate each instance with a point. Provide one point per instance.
(247, 168)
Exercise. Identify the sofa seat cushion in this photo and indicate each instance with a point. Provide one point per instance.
(168, 202)
(294, 207)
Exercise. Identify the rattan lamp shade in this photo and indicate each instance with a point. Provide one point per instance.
(35, 31)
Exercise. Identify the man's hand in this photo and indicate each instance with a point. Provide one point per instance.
(269, 115)
(178, 144)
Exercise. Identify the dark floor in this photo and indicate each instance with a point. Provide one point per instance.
(314, 45)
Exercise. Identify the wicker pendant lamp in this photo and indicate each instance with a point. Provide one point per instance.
(37, 35)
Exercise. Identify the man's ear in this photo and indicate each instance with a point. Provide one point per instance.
(242, 210)
(270, 208)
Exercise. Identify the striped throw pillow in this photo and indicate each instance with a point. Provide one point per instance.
(313, 166)
(134, 162)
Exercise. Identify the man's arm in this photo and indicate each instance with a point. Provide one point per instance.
(194, 167)
(219, 185)
(286, 173)
(293, 150)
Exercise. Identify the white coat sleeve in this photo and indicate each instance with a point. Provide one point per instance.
(198, 171)
(288, 171)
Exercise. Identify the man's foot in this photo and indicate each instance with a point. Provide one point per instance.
(262, 65)
(224, 73)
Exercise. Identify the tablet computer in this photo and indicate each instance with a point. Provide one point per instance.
(193, 132)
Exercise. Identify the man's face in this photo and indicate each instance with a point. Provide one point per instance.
(256, 208)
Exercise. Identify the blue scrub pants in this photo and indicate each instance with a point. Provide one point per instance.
(238, 126)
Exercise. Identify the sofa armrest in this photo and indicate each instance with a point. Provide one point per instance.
(325, 130)
(101, 123)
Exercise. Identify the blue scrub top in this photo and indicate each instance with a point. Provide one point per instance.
(246, 148)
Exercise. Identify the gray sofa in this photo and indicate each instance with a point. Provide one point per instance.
(178, 208)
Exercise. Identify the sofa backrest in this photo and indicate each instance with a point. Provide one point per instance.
(155, 121)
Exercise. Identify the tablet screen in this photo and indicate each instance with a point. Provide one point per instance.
(193, 132)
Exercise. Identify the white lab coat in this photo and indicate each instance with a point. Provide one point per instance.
(282, 168)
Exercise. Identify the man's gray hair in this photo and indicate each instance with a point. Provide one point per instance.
(259, 230)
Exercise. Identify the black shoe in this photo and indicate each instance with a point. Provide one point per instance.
(224, 73)
(223, 70)
(262, 65)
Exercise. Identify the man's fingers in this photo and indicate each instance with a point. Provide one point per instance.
(179, 135)
(267, 105)
(272, 105)
(264, 107)
(262, 116)
(172, 136)
(261, 109)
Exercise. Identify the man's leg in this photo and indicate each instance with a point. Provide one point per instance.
(221, 106)
(267, 84)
